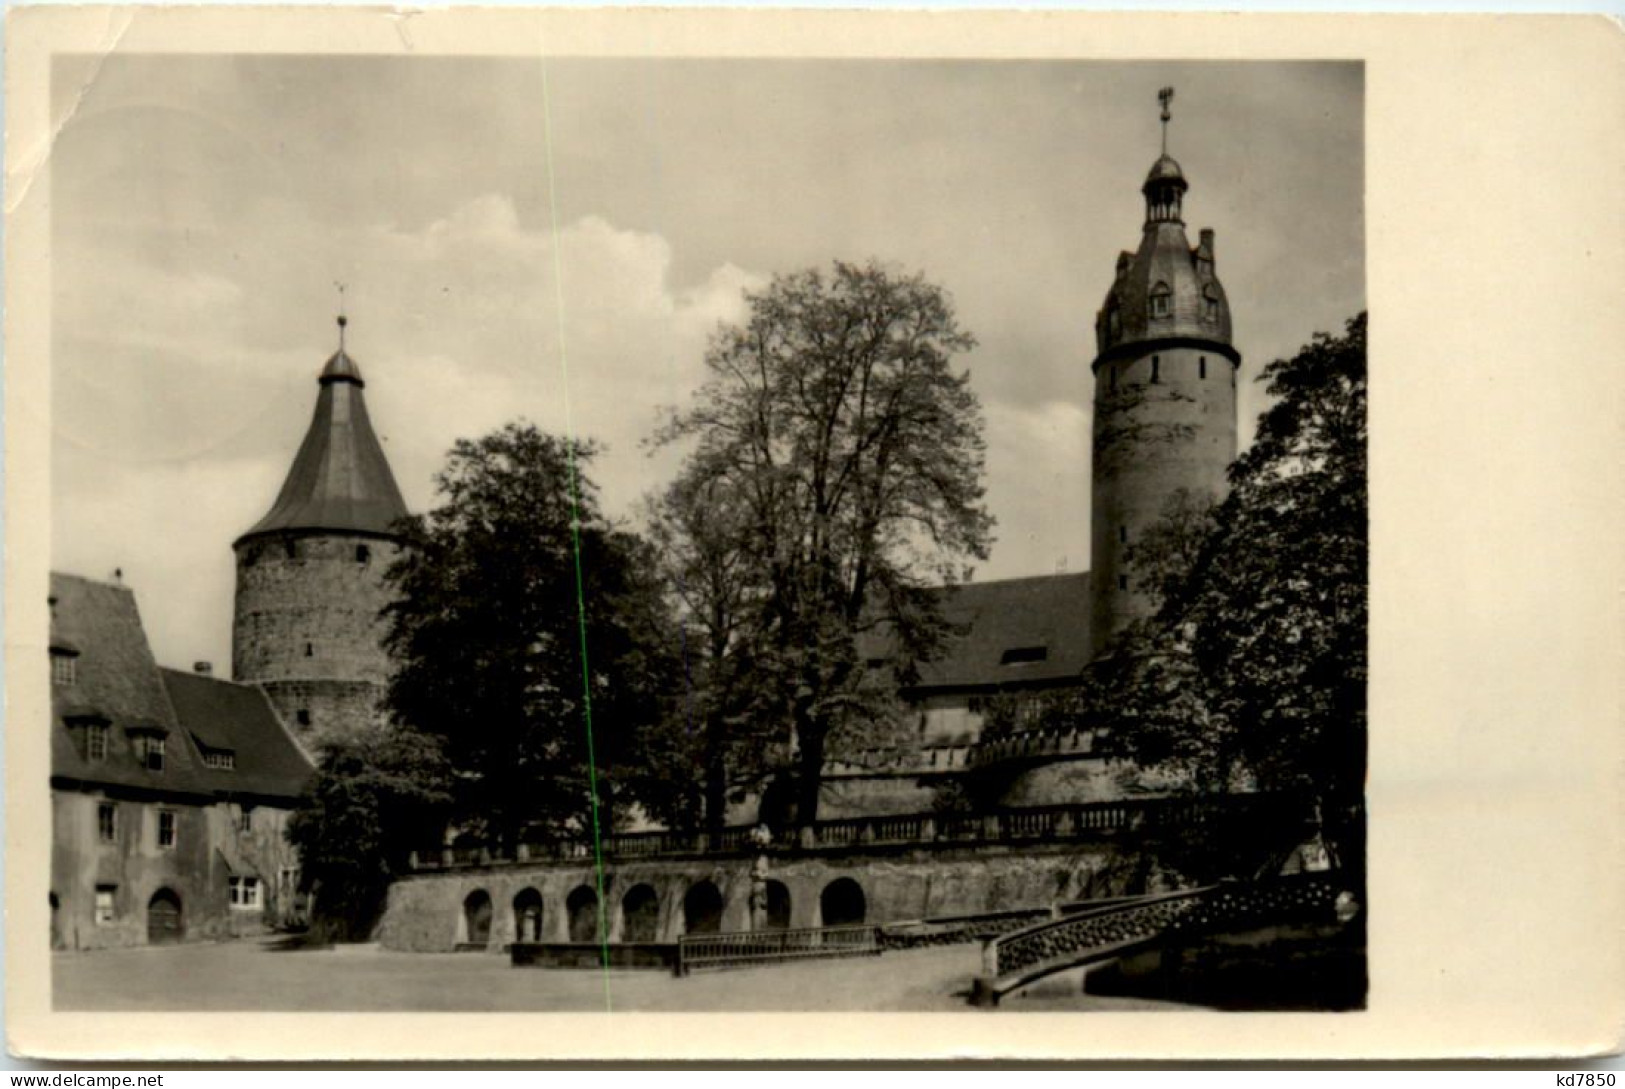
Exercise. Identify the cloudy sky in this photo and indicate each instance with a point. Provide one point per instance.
(500, 229)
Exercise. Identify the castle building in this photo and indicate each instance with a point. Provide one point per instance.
(310, 574)
(170, 791)
(1165, 395)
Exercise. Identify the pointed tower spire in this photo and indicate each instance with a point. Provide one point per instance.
(340, 480)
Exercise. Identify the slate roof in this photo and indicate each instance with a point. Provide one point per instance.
(116, 679)
(118, 682)
(1165, 256)
(222, 715)
(340, 480)
(1000, 620)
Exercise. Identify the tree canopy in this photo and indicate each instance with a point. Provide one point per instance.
(848, 456)
(373, 799)
(528, 637)
(1254, 667)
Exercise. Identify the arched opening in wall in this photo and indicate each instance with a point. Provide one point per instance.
(582, 907)
(477, 917)
(1201, 367)
(527, 916)
(165, 924)
(778, 906)
(56, 922)
(1156, 368)
(702, 909)
(843, 903)
(362, 553)
(640, 914)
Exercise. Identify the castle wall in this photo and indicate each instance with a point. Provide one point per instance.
(308, 627)
(1152, 439)
(426, 913)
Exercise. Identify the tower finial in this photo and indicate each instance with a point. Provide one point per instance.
(1165, 96)
(343, 321)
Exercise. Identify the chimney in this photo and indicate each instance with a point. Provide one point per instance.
(203, 669)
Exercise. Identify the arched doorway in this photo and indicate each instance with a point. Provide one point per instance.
(164, 921)
(527, 916)
(477, 917)
(582, 907)
(640, 914)
(778, 906)
(702, 909)
(843, 903)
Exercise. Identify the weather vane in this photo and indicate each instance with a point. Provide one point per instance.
(343, 321)
(1166, 95)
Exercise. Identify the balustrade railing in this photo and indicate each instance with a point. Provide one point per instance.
(734, 950)
(1037, 824)
(1016, 958)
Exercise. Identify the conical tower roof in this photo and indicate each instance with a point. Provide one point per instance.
(340, 480)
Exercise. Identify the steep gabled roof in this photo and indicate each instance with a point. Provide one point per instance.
(238, 718)
(116, 682)
(340, 480)
(1011, 632)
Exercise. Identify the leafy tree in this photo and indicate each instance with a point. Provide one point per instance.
(851, 455)
(1254, 667)
(717, 738)
(372, 800)
(517, 603)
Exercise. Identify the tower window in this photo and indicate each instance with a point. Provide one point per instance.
(1111, 370)
(1156, 368)
(1162, 301)
(1201, 366)
(107, 822)
(1122, 535)
(1122, 582)
(362, 553)
(310, 650)
(1210, 304)
(291, 547)
(303, 717)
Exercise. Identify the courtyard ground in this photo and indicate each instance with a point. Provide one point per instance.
(268, 975)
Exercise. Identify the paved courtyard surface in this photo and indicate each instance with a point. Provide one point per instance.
(265, 975)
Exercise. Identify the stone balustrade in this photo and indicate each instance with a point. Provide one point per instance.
(1043, 824)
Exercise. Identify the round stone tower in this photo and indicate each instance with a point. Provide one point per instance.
(310, 583)
(1165, 395)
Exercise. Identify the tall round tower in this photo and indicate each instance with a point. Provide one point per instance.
(310, 583)
(1165, 395)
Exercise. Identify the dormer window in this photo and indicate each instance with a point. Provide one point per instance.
(1210, 304)
(220, 759)
(1162, 301)
(1114, 322)
(149, 747)
(96, 735)
(64, 666)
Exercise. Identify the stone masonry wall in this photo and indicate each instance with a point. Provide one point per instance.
(426, 913)
(307, 625)
(1152, 439)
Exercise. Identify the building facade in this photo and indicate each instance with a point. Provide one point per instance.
(310, 593)
(170, 791)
